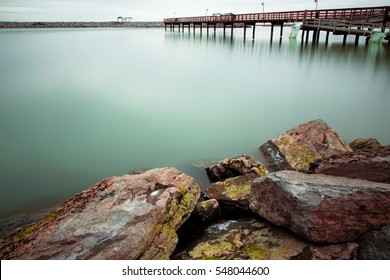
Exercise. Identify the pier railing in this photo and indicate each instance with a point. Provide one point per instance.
(379, 14)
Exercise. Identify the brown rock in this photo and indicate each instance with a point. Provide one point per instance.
(232, 167)
(128, 217)
(296, 148)
(235, 191)
(370, 164)
(206, 211)
(343, 251)
(364, 144)
(321, 208)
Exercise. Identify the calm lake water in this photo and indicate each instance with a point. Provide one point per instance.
(77, 106)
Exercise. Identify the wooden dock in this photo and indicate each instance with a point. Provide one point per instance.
(354, 21)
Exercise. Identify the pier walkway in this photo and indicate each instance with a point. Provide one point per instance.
(354, 21)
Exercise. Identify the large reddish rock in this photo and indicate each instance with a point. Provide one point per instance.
(368, 164)
(321, 208)
(296, 148)
(127, 217)
(232, 167)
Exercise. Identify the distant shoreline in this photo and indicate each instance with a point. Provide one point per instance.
(78, 24)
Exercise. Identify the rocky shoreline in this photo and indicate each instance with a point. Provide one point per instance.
(81, 24)
(322, 199)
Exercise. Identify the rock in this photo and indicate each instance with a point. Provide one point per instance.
(127, 217)
(363, 144)
(343, 251)
(372, 164)
(234, 191)
(321, 208)
(296, 148)
(232, 167)
(255, 239)
(375, 245)
(206, 211)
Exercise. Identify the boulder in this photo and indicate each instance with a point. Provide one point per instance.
(127, 217)
(256, 239)
(296, 148)
(206, 211)
(321, 208)
(364, 144)
(232, 167)
(370, 164)
(234, 191)
(375, 245)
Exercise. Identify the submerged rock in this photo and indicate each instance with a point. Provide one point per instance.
(296, 148)
(375, 245)
(364, 144)
(127, 217)
(232, 167)
(255, 239)
(321, 208)
(370, 164)
(234, 191)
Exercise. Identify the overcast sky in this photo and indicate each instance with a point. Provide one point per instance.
(107, 10)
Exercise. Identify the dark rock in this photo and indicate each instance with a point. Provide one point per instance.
(296, 148)
(234, 191)
(232, 167)
(372, 164)
(127, 217)
(256, 239)
(343, 251)
(206, 211)
(321, 208)
(375, 245)
(364, 144)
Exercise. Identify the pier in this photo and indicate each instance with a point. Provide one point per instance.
(345, 22)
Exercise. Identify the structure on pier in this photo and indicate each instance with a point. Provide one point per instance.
(355, 21)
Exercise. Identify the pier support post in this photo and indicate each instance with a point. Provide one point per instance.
(272, 31)
(318, 37)
(357, 40)
(224, 29)
(231, 34)
(345, 39)
(254, 30)
(327, 38)
(307, 36)
(281, 32)
(244, 31)
(303, 35)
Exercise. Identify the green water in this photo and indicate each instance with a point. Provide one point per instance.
(77, 106)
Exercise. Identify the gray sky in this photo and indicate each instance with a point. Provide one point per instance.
(107, 10)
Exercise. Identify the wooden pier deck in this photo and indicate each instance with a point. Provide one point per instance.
(353, 21)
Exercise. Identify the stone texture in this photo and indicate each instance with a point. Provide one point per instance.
(342, 251)
(370, 164)
(127, 217)
(232, 167)
(257, 240)
(364, 144)
(206, 211)
(235, 191)
(296, 148)
(321, 208)
(375, 245)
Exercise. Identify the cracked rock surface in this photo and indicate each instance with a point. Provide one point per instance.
(127, 217)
